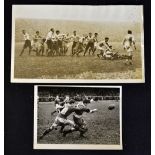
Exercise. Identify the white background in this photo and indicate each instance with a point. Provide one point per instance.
(2, 77)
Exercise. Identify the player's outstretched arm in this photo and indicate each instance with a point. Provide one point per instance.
(93, 110)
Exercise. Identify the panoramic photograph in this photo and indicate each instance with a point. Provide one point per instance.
(73, 43)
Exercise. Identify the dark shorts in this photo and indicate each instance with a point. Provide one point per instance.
(49, 44)
(60, 43)
(90, 45)
(74, 44)
(54, 45)
(27, 44)
(78, 121)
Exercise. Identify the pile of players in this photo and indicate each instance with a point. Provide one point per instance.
(57, 44)
(64, 109)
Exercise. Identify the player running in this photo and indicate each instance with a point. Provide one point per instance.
(128, 44)
(61, 119)
(27, 43)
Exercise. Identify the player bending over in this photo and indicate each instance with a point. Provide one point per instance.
(81, 125)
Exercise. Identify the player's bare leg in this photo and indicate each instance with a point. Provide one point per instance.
(21, 53)
(29, 50)
(61, 129)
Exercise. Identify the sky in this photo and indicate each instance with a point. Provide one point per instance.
(117, 13)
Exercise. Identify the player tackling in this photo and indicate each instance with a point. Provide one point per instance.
(62, 119)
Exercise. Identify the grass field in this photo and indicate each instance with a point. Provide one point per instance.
(67, 67)
(103, 126)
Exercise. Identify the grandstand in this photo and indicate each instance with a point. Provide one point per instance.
(48, 94)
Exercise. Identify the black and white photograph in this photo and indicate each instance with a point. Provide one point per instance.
(78, 117)
(77, 44)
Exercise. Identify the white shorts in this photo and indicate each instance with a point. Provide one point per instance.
(59, 121)
(129, 50)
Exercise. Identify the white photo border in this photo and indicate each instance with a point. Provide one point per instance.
(75, 146)
(24, 80)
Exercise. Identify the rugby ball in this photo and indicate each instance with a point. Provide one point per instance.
(111, 107)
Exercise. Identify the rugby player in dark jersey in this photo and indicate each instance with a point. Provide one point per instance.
(81, 125)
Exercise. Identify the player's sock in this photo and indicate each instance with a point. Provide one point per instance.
(45, 133)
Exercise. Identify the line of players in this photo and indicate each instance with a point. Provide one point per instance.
(64, 109)
(58, 44)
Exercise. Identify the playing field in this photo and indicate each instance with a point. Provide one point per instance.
(68, 67)
(103, 126)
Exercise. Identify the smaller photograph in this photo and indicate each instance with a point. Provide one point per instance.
(77, 117)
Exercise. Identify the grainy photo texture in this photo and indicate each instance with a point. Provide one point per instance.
(75, 43)
(77, 117)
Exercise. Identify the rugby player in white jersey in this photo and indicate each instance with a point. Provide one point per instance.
(36, 42)
(90, 44)
(105, 49)
(48, 40)
(129, 45)
(27, 42)
(59, 38)
(95, 42)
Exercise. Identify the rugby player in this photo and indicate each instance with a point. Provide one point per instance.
(58, 105)
(65, 43)
(36, 43)
(75, 39)
(104, 47)
(27, 43)
(61, 119)
(90, 44)
(128, 44)
(59, 38)
(48, 40)
(79, 46)
(81, 125)
(95, 42)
